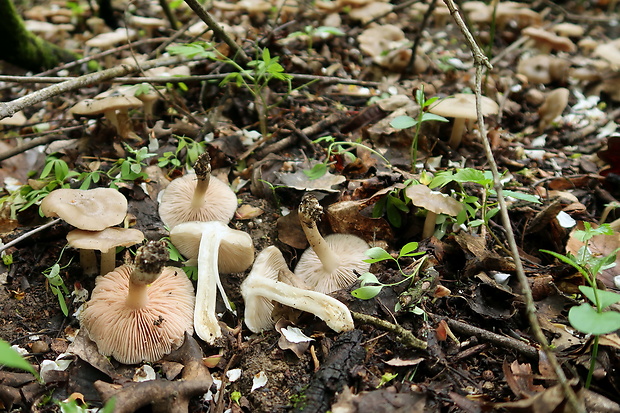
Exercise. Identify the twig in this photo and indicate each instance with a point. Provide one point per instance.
(169, 14)
(33, 143)
(28, 234)
(402, 334)
(218, 31)
(10, 108)
(480, 62)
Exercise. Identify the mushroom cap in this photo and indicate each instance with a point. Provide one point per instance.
(220, 202)
(133, 335)
(423, 197)
(236, 253)
(90, 209)
(95, 107)
(268, 264)
(349, 248)
(105, 40)
(549, 39)
(104, 240)
(463, 105)
(609, 51)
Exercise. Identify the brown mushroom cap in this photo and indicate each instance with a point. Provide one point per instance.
(95, 107)
(104, 240)
(133, 335)
(548, 40)
(463, 105)
(349, 248)
(609, 51)
(219, 204)
(423, 197)
(91, 209)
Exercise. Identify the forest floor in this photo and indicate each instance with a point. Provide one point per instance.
(323, 116)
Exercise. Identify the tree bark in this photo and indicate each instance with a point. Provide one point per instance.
(24, 49)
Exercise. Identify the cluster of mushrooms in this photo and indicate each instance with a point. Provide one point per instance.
(141, 311)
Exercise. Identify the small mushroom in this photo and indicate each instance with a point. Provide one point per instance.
(140, 312)
(109, 39)
(197, 197)
(546, 41)
(149, 24)
(543, 69)
(331, 262)
(105, 241)
(462, 107)
(434, 203)
(261, 287)
(90, 209)
(609, 51)
(218, 248)
(114, 108)
(554, 105)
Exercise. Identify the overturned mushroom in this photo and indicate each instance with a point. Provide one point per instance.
(434, 203)
(212, 242)
(331, 262)
(197, 197)
(140, 312)
(462, 107)
(261, 287)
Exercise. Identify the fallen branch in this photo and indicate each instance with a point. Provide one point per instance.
(403, 335)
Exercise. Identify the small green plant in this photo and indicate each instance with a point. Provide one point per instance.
(175, 255)
(7, 259)
(235, 396)
(406, 122)
(192, 148)
(337, 148)
(57, 285)
(130, 168)
(370, 286)
(11, 358)
(594, 317)
(386, 378)
(321, 31)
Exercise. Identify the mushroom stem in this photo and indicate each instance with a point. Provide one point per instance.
(108, 261)
(457, 133)
(88, 261)
(137, 295)
(202, 168)
(309, 214)
(149, 262)
(429, 224)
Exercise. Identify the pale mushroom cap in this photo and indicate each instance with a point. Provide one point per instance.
(423, 197)
(463, 105)
(609, 51)
(91, 209)
(105, 40)
(552, 40)
(144, 334)
(236, 253)
(349, 248)
(258, 309)
(93, 107)
(104, 240)
(220, 202)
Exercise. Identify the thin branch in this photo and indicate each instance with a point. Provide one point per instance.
(480, 62)
(402, 334)
(10, 108)
(29, 234)
(33, 143)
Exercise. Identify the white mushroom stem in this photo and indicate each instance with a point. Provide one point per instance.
(88, 261)
(335, 314)
(309, 214)
(457, 133)
(108, 261)
(149, 262)
(202, 168)
(429, 224)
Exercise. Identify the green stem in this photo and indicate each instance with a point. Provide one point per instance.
(592, 361)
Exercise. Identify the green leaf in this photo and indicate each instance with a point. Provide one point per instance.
(393, 214)
(587, 320)
(519, 195)
(11, 358)
(565, 260)
(46, 169)
(377, 254)
(427, 116)
(403, 122)
(317, 171)
(409, 250)
(329, 30)
(368, 278)
(606, 298)
(367, 292)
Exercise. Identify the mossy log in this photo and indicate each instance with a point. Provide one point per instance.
(24, 49)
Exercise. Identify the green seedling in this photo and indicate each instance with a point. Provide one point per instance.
(338, 148)
(11, 358)
(406, 122)
(235, 396)
(370, 286)
(175, 255)
(7, 259)
(386, 378)
(57, 285)
(317, 32)
(192, 148)
(592, 318)
(130, 168)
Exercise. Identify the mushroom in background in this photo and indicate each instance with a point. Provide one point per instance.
(462, 107)
(197, 197)
(261, 288)
(330, 263)
(217, 248)
(434, 203)
(114, 108)
(544, 69)
(554, 105)
(140, 312)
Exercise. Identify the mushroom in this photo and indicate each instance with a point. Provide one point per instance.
(109, 39)
(218, 248)
(261, 287)
(140, 312)
(554, 105)
(331, 262)
(89, 209)
(197, 197)
(609, 51)
(114, 108)
(149, 24)
(434, 203)
(462, 107)
(543, 69)
(546, 41)
(105, 241)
